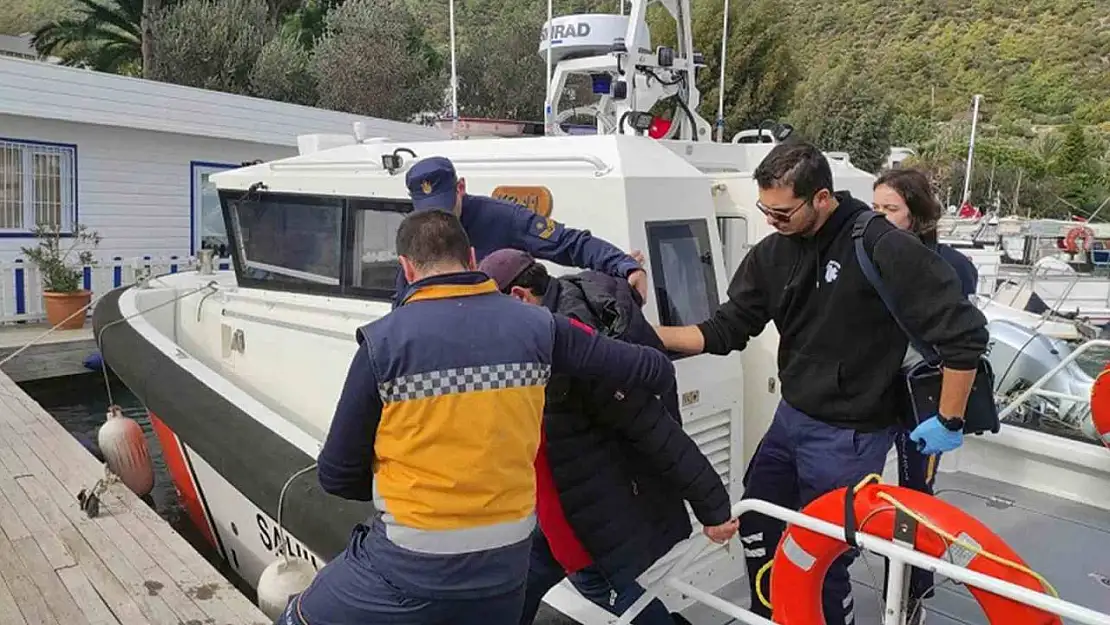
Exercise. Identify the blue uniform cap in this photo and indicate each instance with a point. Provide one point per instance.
(432, 184)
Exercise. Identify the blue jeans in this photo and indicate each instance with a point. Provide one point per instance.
(798, 460)
(919, 472)
(544, 573)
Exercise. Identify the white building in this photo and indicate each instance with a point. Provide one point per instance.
(129, 158)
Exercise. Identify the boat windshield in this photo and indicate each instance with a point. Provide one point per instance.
(315, 244)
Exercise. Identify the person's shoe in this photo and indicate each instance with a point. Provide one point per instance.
(679, 619)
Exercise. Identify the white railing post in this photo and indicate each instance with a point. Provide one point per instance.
(21, 281)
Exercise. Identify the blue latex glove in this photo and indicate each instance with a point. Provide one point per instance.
(931, 437)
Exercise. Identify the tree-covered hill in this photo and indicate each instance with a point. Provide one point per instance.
(1042, 60)
(852, 75)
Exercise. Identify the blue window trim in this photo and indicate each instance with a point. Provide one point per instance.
(193, 208)
(74, 183)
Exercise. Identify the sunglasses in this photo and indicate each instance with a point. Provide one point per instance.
(779, 214)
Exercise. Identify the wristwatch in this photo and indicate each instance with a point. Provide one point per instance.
(955, 424)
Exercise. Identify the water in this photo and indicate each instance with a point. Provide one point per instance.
(80, 404)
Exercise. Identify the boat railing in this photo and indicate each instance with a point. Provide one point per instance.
(1037, 387)
(901, 558)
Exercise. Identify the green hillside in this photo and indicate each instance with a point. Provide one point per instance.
(1042, 60)
(851, 75)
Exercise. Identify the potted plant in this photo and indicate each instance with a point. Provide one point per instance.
(62, 271)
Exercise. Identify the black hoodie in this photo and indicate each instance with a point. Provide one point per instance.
(840, 350)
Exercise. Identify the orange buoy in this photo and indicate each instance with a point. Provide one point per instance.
(803, 557)
(1100, 406)
(1071, 240)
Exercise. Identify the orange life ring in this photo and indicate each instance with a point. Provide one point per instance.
(1070, 240)
(1100, 406)
(803, 557)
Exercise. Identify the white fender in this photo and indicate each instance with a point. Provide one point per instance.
(280, 580)
(123, 445)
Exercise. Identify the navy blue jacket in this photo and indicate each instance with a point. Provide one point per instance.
(965, 269)
(620, 460)
(438, 423)
(494, 224)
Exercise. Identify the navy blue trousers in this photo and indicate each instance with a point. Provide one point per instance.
(798, 460)
(351, 590)
(544, 573)
(919, 472)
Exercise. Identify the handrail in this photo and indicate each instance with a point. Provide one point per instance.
(1036, 386)
(338, 166)
(898, 555)
(600, 166)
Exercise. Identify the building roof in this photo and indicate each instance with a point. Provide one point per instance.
(47, 91)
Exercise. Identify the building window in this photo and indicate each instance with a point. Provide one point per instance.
(209, 231)
(682, 266)
(38, 185)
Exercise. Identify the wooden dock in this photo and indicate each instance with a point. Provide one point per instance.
(60, 353)
(59, 567)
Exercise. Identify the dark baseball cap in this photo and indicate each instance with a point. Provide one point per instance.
(432, 184)
(505, 265)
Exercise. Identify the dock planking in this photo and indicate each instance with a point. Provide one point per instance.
(127, 566)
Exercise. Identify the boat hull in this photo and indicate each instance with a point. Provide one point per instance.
(228, 468)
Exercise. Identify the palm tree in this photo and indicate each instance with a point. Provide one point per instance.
(105, 35)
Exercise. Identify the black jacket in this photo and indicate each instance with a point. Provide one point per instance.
(840, 350)
(620, 460)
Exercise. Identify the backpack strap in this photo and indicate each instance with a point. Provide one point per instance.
(859, 228)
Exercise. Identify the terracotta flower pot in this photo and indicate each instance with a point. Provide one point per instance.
(59, 306)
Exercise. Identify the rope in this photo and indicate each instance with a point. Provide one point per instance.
(283, 549)
(100, 335)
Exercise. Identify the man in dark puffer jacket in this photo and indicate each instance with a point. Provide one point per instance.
(614, 465)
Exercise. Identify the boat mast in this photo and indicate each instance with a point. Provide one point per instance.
(548, 122)
(454, 72)
(971, 151)
(721, 87)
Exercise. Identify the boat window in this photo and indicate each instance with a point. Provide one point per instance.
(682, 270)
(374, 261)
(734, 241)
(287, 238)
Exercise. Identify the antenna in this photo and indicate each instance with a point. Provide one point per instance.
(721, 87)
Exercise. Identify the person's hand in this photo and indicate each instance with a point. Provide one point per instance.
(637, 256)
(721, 533)
(931, 437)
(638, 280)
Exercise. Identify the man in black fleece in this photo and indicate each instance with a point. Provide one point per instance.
(840, 350)
(614, 464)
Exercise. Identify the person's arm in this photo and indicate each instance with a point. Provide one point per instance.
(345, 464)
(585, 354)
(644, 422)
(742, 316)
(548, 239)
(933, 306)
